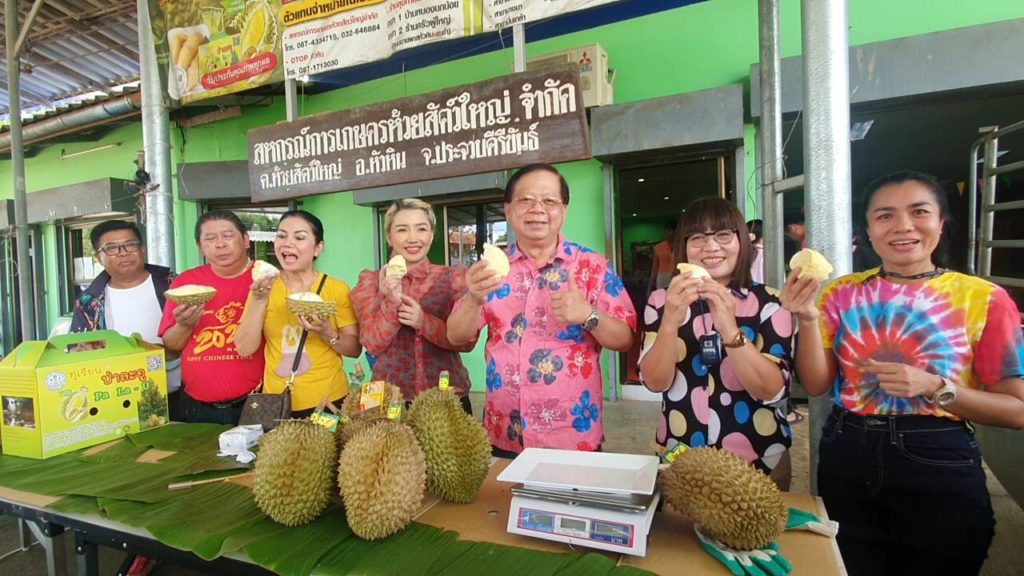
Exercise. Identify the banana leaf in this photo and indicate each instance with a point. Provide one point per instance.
(77, 505)
(198, 520)
(409, 553)
(124, 480)
(177, 437)
(298, 550)
(119, 451)
(202, 457)
(497, 560)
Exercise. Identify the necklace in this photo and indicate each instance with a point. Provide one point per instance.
(882, 272)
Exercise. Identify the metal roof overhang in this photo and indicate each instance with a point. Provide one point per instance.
(92, 198)
(668, 123)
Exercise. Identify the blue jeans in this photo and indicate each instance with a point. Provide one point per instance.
(908, 492)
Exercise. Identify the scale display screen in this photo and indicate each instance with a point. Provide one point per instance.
(576, 527)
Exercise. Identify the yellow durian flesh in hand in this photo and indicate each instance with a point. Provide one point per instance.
(306, 297)
(397, 266)
(262, 269)
(694, 270)
(811, 264)
(496, 260)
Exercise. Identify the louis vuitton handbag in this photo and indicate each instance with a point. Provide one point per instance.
(269, 410)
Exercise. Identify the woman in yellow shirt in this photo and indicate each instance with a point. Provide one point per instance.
(298, 243)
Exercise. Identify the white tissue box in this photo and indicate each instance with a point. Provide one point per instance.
(240, 438)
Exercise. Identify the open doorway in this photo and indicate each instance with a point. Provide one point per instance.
(650, 198)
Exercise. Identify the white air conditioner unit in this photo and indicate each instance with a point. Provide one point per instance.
(594, 79)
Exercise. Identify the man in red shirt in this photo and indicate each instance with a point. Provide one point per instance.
(215, 379)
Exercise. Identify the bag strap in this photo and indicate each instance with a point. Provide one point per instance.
(302, 342)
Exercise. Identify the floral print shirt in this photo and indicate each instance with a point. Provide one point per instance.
(413, 359)
(707, 405)
(544, 386)
(957, 326)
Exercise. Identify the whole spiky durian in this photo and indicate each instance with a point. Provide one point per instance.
(730, 499)
(382, 475)
(295, 472)
(457, 448)
(346, 432)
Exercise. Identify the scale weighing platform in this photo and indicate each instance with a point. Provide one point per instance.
(593, 499)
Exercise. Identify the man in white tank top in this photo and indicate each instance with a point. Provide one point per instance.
(128, 296)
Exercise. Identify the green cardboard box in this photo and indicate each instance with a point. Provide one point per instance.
(78, 390)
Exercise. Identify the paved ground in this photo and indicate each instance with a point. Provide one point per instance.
(630, 428)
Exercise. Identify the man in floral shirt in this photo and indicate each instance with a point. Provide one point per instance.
(547, 321)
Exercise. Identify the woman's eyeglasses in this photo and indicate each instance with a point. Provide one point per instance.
(722, 237)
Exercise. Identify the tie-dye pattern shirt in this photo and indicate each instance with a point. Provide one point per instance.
(957, 326)
(544, 377)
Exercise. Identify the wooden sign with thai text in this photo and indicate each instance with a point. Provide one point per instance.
(499, 124)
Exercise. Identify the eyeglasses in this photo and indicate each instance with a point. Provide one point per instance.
(527, 202)
(129, 247)
(722, 237)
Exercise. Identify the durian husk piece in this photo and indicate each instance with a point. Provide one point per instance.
(456, 446)
(191, 295)
(295, 472)
(811, 264)
(731, 500)
(382, 474)
(311, 305)
(694, 270)
(497, 260)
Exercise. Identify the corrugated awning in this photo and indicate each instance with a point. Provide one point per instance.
(76, 51)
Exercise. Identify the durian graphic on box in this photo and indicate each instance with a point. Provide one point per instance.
(152, 406)
(75, 405)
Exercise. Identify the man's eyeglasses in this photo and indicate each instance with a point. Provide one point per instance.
(129, 247)
(527, 202)
(722, 237)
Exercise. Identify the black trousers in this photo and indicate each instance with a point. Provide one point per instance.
(908, 492)
(221, 413)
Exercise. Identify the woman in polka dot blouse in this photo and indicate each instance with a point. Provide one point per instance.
(719, 349)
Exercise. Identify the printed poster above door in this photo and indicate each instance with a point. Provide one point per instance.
(499, 124)
(208, 48)
(322, 35)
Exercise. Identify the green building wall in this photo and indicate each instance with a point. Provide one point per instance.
(705, 45)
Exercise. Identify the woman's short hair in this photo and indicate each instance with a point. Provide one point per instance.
(408, 204)
(713, 213)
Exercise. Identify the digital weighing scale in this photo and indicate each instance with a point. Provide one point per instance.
(593, 499)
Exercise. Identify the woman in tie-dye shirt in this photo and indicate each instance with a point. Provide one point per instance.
(736, 401)
(909, 352)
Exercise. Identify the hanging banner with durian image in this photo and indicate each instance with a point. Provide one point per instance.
(209, 48)
(323, 35)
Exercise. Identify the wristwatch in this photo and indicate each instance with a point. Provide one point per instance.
(591, 322)
(737, 342)
(945, 395)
